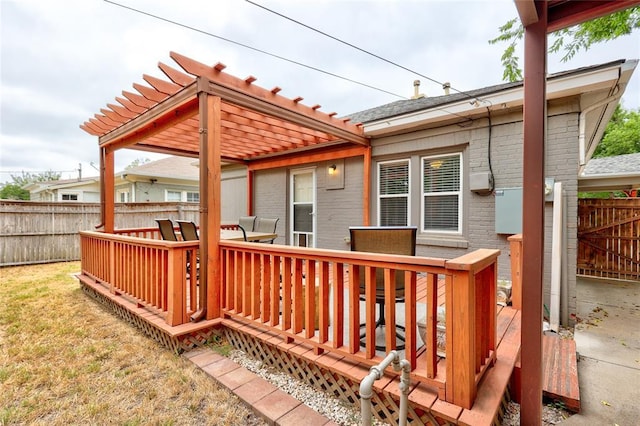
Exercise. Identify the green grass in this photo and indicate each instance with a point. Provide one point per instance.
(64, 359)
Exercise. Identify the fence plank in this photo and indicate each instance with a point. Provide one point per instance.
(38, 232)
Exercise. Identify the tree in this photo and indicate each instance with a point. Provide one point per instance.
(622, 135)
(570, 40)
(137, 162)
(14, 190)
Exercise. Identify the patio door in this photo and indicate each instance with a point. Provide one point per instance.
(303, 208)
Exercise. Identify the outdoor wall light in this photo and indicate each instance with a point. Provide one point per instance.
(333, 169)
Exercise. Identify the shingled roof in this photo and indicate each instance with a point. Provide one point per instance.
(406, 106)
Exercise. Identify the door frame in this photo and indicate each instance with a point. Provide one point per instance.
(314, 206)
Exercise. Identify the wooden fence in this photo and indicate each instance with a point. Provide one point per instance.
(609, 238)
(38, 232)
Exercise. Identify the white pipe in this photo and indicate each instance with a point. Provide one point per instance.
(564, 288)
(376, 372)
(556, 257)
(582, 125)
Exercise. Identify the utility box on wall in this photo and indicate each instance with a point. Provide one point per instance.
(508, 210)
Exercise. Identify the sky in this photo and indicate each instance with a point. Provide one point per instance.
(61, 61)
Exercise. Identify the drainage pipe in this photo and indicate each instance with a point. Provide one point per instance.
(582, 122)
(556, 257)
(376, 372)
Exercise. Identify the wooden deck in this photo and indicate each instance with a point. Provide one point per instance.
(331, 372)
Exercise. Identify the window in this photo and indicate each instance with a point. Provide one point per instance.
(393, 193)
(122, 196)
(69, 197)
(193, 197)
(174, 196)
(442, 193)
(182, 196)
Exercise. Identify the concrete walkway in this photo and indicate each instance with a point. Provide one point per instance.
(607, 339)
(274, 406)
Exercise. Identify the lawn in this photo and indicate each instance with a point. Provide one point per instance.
(64, 359)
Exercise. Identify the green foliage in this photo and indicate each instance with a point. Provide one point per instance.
(569, 40)
(622, 135)
(14, 191)
(137, 162)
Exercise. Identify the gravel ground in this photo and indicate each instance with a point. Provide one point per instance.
(347, 415)
(551, 415)
(324, 403)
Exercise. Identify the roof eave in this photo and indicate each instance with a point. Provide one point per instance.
(557, 87)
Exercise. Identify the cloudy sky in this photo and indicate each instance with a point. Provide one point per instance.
(63, 60)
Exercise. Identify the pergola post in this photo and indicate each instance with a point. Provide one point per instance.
(108, 179)
(534, 118)
(366, 190)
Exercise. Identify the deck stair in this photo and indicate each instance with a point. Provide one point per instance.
(559, 372)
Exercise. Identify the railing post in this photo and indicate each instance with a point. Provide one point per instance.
(460, 363)
(515, 246)
(468, 310)
(176, 303)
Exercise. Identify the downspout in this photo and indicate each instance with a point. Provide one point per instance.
(582, 122)
(376, 372)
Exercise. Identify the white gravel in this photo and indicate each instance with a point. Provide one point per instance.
(328, 405)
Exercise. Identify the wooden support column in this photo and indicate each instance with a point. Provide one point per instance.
(366, 190)
(250, 177)
(210, 273)
(108, 180)
(535, 118)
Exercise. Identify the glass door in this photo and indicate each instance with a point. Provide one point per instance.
(303, 199)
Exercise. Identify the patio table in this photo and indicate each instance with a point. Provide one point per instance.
(236, 235)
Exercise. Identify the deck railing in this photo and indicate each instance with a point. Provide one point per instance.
(159, 275)
(267, 286)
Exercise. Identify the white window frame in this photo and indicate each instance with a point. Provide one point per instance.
(77, 194)
(423, 194)
(186, 196)
(172, 191)
(123, 192)
(183, 195)
(407, 195)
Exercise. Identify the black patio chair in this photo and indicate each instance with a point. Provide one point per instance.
(166, 230)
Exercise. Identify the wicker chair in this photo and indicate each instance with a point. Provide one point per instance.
(388, 240)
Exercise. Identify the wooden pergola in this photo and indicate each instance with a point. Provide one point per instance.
(205, 113)
(540, 18)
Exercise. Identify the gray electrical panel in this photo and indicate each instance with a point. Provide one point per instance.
(508, 210)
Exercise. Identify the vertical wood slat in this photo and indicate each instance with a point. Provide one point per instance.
(354, 309)
(310, 298)
(323, 315)
(431, 336)
(390, 308)
(370, 313)
(609, 238)
(298, 318)
(410, 279)
(338, 303)
(275, 291)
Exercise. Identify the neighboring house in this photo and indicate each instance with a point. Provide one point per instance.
(176, 179)
(172, 179)
(617, 173)
(452, 166)
(84, 190)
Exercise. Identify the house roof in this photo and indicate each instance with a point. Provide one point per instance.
(36, 187)
(620, 172)
(406, 106)
(174, 167)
